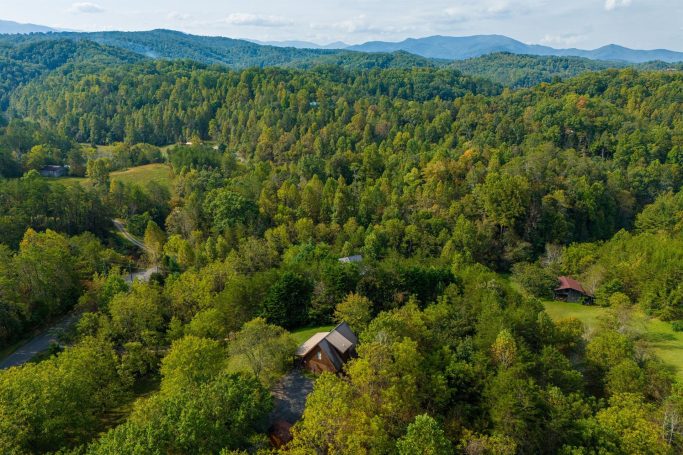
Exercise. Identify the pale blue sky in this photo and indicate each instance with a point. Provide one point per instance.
(643, 24)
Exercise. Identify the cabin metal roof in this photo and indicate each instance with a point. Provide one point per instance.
(567, 283)
(356, 258)
(311, 343)
(338, 341)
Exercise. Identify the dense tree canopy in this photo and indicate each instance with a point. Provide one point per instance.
(431, 185)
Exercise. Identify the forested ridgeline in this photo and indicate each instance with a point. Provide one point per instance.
(512, 70)
(442, 182)
(402, 154)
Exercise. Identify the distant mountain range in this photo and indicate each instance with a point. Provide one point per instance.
(9, 27)
(302, 44)
(243, 53)
(464, 47)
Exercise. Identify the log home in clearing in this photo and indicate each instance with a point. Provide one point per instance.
(571, 290)
(328, 351)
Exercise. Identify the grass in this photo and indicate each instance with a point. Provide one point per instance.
(160, 173)
(304, 334)
(659, 336)
(157, 172)
(589, 315)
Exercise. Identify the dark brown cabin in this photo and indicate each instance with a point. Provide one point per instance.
(328, 351)
(571, 290)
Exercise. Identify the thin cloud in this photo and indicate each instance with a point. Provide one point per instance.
(176, 16)
(611, 5)
(86, 8)
(569, 39)
(257, 20)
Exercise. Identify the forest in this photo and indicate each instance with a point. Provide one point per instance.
(465, 197)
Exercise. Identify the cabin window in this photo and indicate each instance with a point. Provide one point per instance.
(319, 355)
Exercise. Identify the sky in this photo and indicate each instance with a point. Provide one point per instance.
(587, 24)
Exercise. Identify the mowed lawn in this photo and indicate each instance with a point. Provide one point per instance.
(157, 172)
(658, 335)
(302, 335)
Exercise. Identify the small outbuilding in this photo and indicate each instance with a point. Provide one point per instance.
(570, 290)
(328, 351)
(54, 171)
(351, 259)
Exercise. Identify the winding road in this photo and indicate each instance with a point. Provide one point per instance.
(45, 339)
(40, 343)
(118, 224)
(141, 275)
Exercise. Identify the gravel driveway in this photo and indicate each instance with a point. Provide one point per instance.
(290, 397)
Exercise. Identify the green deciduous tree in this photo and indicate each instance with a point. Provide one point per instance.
(355, 310)
(425, 436)
(267, 349)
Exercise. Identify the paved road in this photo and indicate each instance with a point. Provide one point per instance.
(290, 397)
(40, 343)
(142, 275)
(43, 341)
(130, 237)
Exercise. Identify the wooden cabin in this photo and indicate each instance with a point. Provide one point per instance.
(328, 351)
(570, 290)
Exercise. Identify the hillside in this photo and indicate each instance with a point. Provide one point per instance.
(168, 44)
(24, 59)
(515, 71)
(233, 53)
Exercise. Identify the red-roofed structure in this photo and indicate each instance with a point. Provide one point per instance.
(571, 290)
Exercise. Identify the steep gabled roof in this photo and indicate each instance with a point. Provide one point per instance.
(332, 354)
(339, 341)
(311, 343)
(570, 283)
(342, 338)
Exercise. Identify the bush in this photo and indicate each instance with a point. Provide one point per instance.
(138, 223)
(536, 280)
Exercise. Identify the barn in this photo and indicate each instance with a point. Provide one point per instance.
(328, 351)
(570, 290)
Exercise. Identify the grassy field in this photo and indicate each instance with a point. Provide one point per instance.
(589, 315)
(160, 173)
(657, 335)
(302, 335)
